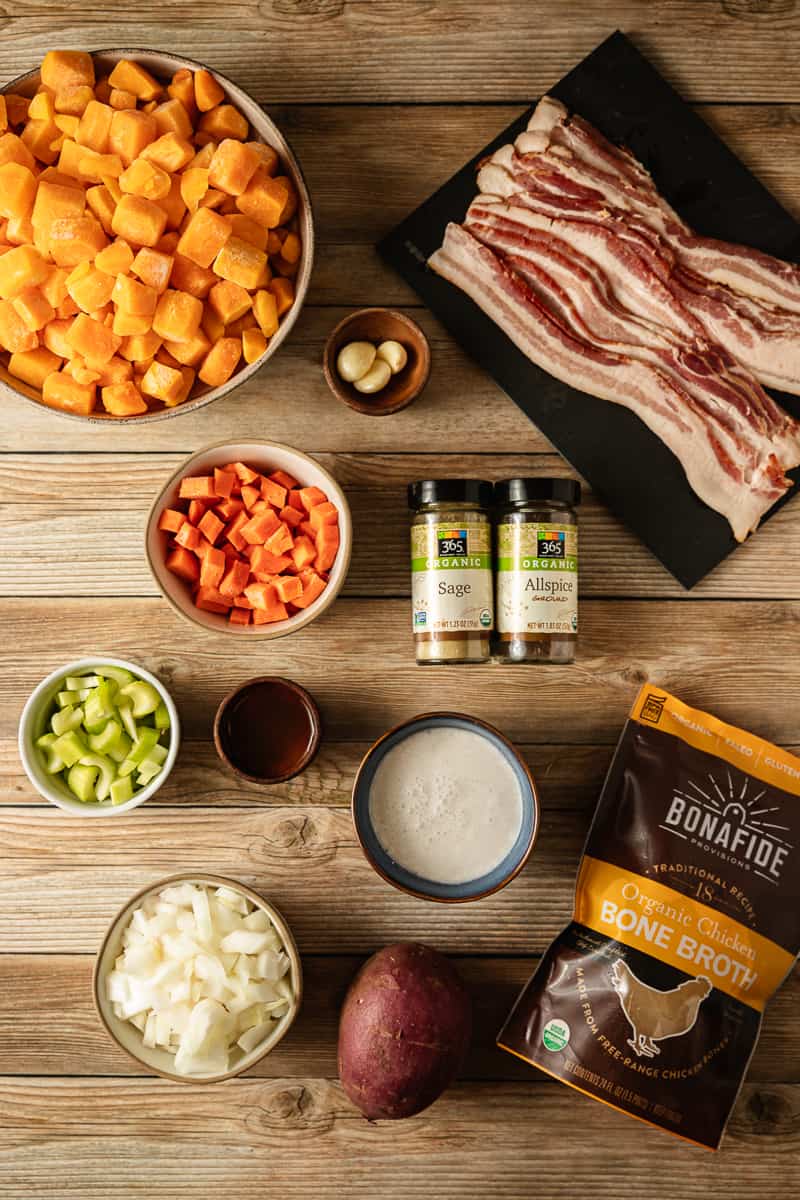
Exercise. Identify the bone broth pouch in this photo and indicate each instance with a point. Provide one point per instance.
(686, 921)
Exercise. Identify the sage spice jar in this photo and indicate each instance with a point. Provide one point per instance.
(537, 570)
(451, 570)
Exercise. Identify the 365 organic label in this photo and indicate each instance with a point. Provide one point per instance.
(537, 578)
(451, 578)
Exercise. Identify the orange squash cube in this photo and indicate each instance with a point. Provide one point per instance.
(283, 292)
(123, 399)
(126, 324)
(133, 296)
(191, 352)
(131, 77)
(264, 199)
(67, 68)
(116, 259)
(95, 126)
(240, 262)
(290, 251)
(204, 236)
(92, 340)
(60, 390)
(221, 361)
(130, 132)
(207, 92)
(103, 205)
(248, 230)
(21, 268)
(42, 107)
(229, 301)
(139, 347)
(177, 316)
(253, 344)
(232, 167)
(204, 156)
(33, 366)
(17, 190)
(212, 325)
(67, 124)
(224, 121)
(162, 383)
(138, 220)
(173, 204)
(116, 370)
(70, 158)
(153, 268)
(97, 168)
(213, 199)
(18, 231)
(14, 333)
(91, 289)
(171, 152)
(194, 185)
(113, 186)
(13, 149)
(39, 137)
(54, 336)
(182, 88)
(16, 108)
(172, 117)
(71, 240)
(266, 312)
(119, 98)
(72, 101)
(143, 178)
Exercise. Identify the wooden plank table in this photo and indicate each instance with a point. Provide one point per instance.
(382, 101)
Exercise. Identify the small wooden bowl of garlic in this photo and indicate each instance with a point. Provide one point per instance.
(377, 361)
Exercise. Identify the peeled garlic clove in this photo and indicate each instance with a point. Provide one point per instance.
(376, 377)
(355, 360)
(394, 354)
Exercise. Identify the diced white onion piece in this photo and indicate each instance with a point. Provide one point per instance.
(251, 1038)
(202, 914)
(257, 920)
(181, 895)
(245, 942)
(234, 900)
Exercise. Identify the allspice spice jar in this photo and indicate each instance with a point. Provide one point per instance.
(537, 570)
(451, 570)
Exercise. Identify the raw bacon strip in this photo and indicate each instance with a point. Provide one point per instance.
(695, 439)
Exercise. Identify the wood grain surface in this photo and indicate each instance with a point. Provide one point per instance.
(382, 101)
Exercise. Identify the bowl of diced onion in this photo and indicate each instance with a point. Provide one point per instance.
(198, 978)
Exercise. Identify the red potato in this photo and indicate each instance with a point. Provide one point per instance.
(404, 1031)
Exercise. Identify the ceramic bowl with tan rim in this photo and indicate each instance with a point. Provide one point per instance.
(129, 1038)
(163, 66)
(264, 457)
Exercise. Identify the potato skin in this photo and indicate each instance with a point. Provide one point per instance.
(404, 1031)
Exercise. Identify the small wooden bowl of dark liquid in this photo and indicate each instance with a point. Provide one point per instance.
(268, 730)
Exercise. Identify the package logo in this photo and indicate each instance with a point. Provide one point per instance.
(652, 708)
(452, 543)
(552, 544)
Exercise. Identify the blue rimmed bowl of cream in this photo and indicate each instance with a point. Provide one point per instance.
(445, 808)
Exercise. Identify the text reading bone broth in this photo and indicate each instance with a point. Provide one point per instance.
(446, 804)
(203, 974)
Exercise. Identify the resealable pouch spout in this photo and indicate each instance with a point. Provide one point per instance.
(686, 921)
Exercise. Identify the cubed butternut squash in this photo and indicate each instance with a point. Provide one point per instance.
(92, 289)
(248, 230)
(177, 316)
(139, 347)
(130, 132)
(132, 77)
(138, 220)
(207, 92)
(253, 344)
(67, 68)
(123, 399)
(60, 390)
(13, 149)
(17, 190)
(171, 152)
(190, 352)
(181, 88)
(205, 234)
(229, 301)
(194, 185)
(54, 336)
(266, 312)
(240, 262)
(95, 127)
(224, 121)
(33, 366)
(21, 268)
(116, 259)
(73, 239)
(103, 205)
(221, 361)
(72, 101)
(233, 166)
(162, 383)
(153, 268)
(92, 340)
(172, 117)
(264, 199)
(14, 333)
(283, 292)
(119, 98)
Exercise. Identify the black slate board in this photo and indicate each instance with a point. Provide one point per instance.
(639, 479)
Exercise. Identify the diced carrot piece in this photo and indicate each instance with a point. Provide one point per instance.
(327, 547)
(207, 92)
(256, 530)
(313, 586)
(273, 492)
(223, 482)
(276, 612)
(235, 579)
(220, 362)
(62, 391)
(229, 508)
(197, 487)
(284, 479)
(123, 400)
(295, 500)
(281, 541)
(210, 526)
(205, 235)
(308, 529)
(198, 509)
(251, 495)
(311, 496)
(234, 531)
(212, 568)
(323, 514)
(171, 520)
(290, 516)
(288, 587)
(243, 473)
(177, 316)
(264, 199)
(232, 166)
(224, 121)
(66, 68)
(229, 300)
(283, 291)
(210, 600)
(239, 616)
(188, 536)
(269, 565)
(304, 552)
(260, 595)
(132, 77)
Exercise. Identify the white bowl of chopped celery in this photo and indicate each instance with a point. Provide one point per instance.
(99, 736)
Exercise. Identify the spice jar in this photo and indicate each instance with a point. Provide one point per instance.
(451, 570)
(537, 570)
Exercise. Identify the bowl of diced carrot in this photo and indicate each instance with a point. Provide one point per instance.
(250, 538)
(156, 235)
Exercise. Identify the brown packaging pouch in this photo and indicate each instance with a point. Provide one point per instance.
(686, 921)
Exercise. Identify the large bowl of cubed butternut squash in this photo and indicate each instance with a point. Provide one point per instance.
(156, 235)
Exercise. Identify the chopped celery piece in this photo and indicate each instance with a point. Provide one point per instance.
(144, 743)
(161, 716)
(100, 705)
(147, 771)
(144, 697)
(107, 769)
(70, 747)
(120, 675)
(76, 682)
(81, 780)
(53, 763)
(66, 719)
(158, 754)
(125, 713)
(64, 699)
(108, 739)
(84, 694)
(121, 751)
(126, 768)
(121, 790)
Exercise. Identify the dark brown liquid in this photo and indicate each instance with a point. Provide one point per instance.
(266, 731)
